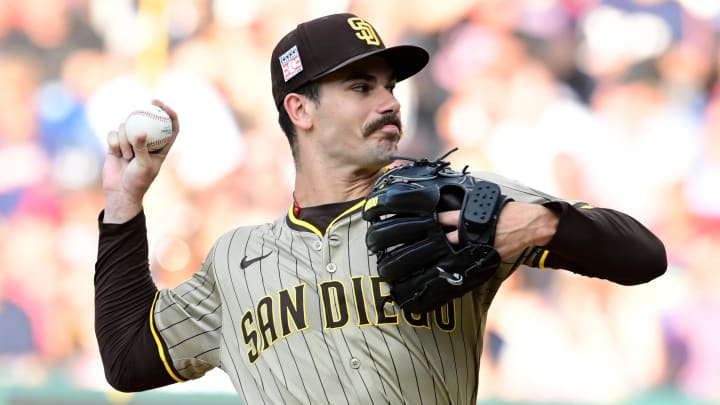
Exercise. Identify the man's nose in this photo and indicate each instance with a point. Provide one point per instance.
(389, 103)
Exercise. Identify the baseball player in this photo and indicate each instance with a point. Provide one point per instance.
(294, 310)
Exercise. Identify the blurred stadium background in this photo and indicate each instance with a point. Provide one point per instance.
(614, 102)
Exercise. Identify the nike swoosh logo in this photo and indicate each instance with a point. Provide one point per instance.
(245, 262)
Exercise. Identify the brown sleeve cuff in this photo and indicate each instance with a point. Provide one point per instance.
(137, 223)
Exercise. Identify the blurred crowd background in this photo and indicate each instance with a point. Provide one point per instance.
(614, 102)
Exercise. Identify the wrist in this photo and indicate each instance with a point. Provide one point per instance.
(120, 208)
(547, 226)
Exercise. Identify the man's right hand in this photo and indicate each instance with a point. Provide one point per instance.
(130, 169)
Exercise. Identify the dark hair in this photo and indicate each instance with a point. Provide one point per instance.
(310, 90)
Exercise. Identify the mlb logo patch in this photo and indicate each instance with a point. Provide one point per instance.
(291, 63)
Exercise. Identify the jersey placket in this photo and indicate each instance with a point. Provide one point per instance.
(335, 254)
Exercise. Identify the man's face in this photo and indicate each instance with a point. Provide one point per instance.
(358, 117)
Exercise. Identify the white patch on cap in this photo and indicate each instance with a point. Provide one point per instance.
(291, 63)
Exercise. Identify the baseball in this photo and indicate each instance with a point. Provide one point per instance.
(154, 122)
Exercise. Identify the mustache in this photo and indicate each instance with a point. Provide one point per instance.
(388, 119)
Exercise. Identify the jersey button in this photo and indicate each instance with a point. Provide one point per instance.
(317, 245)
(334, 240)
(331, 267)
(354, 363)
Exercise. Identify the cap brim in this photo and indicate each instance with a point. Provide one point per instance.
(404, 60)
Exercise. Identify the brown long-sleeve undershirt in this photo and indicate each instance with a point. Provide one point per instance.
(604, 243)
(594, 242)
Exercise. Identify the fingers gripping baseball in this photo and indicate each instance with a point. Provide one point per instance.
(174, 125)
(133, 161)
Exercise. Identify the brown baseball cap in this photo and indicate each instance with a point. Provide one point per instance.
(321, 46)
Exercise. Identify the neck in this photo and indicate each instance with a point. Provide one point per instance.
(316, 185)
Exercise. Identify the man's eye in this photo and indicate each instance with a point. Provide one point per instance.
(361, 88)
(391, 88)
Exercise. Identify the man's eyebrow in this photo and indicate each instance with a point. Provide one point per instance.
(365, 76)
(359, 76)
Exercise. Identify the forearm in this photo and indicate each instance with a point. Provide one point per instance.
(124, 294)
(603, 243)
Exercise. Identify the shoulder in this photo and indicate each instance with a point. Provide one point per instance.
(517, 190)
(244, 232)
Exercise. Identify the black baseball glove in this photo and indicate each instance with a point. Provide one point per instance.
(424, 271)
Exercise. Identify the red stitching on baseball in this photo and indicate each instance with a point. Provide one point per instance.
(151, 115)
(156, 117)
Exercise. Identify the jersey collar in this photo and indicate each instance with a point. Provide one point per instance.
(314, 219)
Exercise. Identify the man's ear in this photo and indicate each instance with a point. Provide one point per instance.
(299, 109)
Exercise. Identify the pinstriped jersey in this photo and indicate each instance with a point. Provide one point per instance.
(300, 316)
